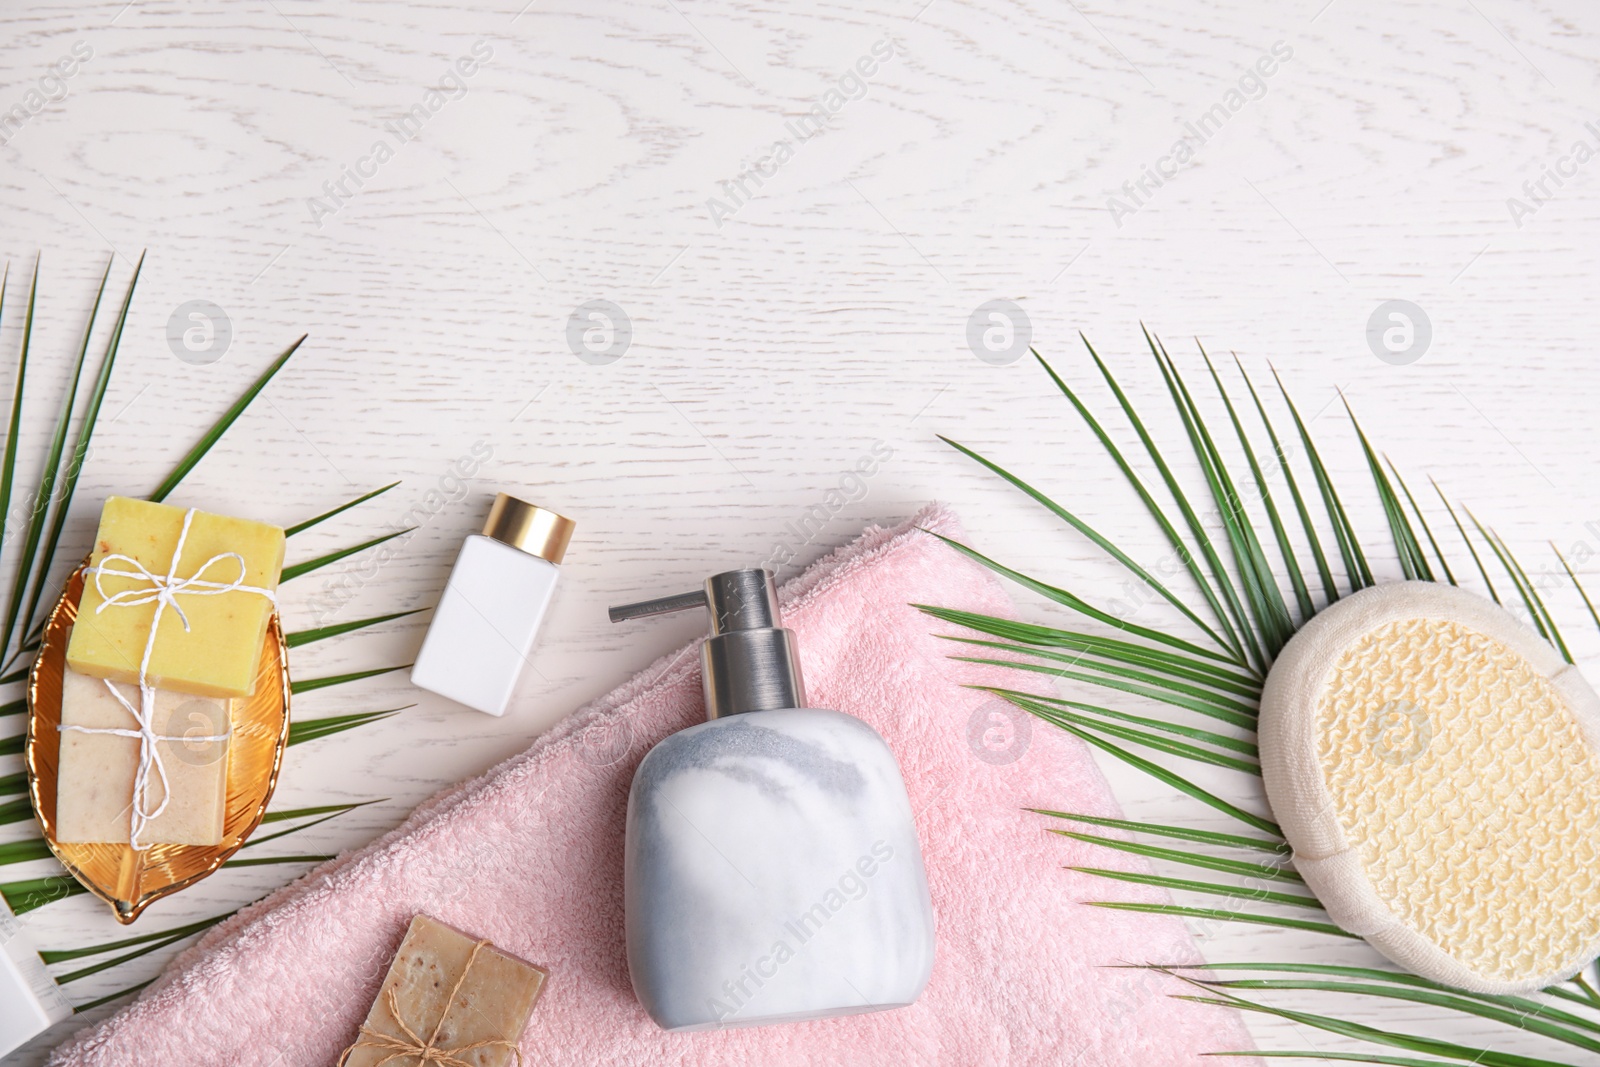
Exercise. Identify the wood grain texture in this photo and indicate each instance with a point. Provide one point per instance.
(828, 313)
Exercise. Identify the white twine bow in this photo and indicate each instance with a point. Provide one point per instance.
(163, 591)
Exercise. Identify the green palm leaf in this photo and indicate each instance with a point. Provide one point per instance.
(1177, 781)
(1407, 1042)
(300, 527)
(1115, 553)
(107, 999)
(1226, 915)
(1154, 741)
(1542, 619)
(8, 465)
(80, 450)
(306, 685)
(1576, 584)
(52, 470)
(1189, 885)
(327, 726)
(1329, 588)
(1280, 532)
(1343, 1057)
(267, 861)
(322, 633)
(1253, 622)
(1156, 687)
(1133, 668)
(171, 937)
(1213, 674)
(6, 478)
(36, 580)
(1536, 1022)
(1412, 560)
(1369, 974)
(1237, 868)
(221, 426)
(16, 811)
(1181, 833)
(1467, 540)
(322, 813)
(1344, 533)
(1268, 612)
(1061, 596)
(24, 851)
(1179, 546)
(1059, 712)
(1422, 520)
(1234, 620)
(65, 955)
(295, 571)
(1233, 744)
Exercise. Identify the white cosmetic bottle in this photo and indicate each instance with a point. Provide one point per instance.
(30, 1000)
(490, 610)
(772, 869)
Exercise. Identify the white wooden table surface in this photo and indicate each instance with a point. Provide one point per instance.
(781, 334)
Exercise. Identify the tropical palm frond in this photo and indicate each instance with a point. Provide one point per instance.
(1422, 521)
(322, 633)
(1447, 1051)
(1269, 622)
(313, 729)
(1519, 1012)
(1329, 589)
(1169, 737)
(1181, 833)
(1225, 915)
(296, 570)
(1246, 605)
(306, 685)
(221, 426)
(1280, 532)
(301, 527)
(35, 526)
(64, 955)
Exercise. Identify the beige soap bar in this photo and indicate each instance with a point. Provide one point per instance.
(218, 655)
(492, 1003)
(94, 785)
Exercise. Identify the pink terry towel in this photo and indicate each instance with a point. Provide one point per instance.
(530, 857)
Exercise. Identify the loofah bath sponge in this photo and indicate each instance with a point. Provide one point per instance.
(1435, 765)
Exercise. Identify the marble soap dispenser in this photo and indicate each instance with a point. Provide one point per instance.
(772, 871)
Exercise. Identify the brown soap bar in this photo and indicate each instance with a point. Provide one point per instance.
(490, 1004)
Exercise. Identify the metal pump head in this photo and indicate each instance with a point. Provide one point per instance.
(750, 662)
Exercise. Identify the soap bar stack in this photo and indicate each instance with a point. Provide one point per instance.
(219, 574)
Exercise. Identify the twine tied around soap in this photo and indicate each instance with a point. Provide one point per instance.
(427, 1051)
(163, 591)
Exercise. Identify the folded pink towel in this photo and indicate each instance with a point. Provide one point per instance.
(530, 857)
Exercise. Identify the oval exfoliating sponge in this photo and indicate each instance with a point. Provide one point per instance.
(1435, 765)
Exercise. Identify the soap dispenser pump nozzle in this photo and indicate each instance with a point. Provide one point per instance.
(750, 662)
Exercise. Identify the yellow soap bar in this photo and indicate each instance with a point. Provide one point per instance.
(219, 653)
(95, 780)
(491, 1004)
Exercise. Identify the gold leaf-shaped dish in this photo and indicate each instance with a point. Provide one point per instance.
(127, 880)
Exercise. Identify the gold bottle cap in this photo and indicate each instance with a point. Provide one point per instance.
(532, 529)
